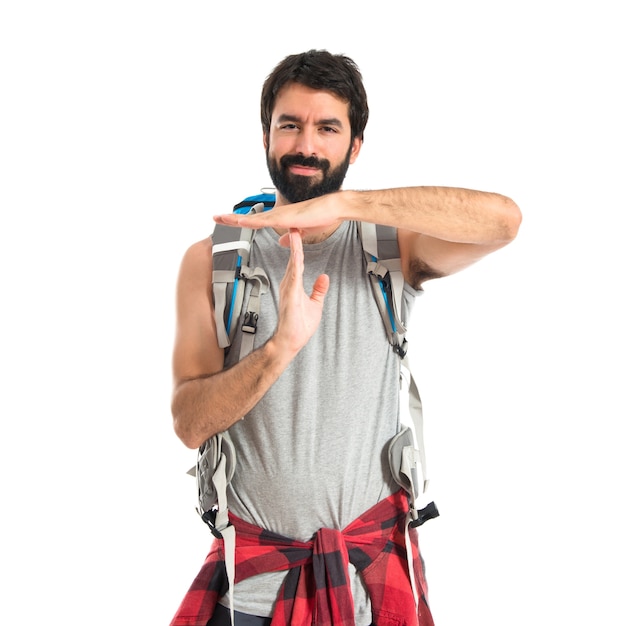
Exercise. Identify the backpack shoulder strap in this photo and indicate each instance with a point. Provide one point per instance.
(267, 198)
(231, 253)
(384, 267)
(216, 458)
(407, 456)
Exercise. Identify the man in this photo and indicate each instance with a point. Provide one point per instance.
(319, 391)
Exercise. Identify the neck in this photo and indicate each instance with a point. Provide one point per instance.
(313, 235)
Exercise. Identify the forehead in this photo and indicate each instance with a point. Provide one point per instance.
(303, 102)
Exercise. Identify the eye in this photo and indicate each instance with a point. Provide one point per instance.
(328, 129)
(288, 126)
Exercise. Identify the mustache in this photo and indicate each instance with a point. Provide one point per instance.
(311, 161)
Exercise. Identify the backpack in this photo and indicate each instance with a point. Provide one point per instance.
(216, 460)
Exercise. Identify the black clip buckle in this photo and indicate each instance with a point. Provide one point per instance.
(430, 511)
(208, 517)
(401, 349)
(250, 320)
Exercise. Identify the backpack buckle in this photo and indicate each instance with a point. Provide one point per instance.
(209, 517)
(249, 322)
(401, 350)
(430, 511)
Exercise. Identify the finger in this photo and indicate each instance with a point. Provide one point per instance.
(295, 265)
(320, 288)
(295, 242)
(235, 219)
(228, 219)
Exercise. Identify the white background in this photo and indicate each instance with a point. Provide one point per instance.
(125, 126)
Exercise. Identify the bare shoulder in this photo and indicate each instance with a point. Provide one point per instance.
(196, 264)
(199, 252)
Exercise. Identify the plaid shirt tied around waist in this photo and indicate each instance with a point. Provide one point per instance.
(317, 589)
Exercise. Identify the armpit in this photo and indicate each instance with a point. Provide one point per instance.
(420, 272)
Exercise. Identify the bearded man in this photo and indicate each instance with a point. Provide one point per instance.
(318, 515)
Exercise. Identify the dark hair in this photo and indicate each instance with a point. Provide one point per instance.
(319, 69)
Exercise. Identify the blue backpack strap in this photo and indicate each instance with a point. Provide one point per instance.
(231, 253)
(268, 200)
(407, 457)
(216, 459)
(384, 266)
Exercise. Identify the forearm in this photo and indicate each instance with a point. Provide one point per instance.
(204, 406)
(448, 213)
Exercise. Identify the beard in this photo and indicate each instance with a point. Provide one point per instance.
(296, 188)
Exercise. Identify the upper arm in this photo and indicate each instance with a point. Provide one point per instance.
(424, 257)
(196, 350)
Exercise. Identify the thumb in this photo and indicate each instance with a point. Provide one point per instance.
(320, 288)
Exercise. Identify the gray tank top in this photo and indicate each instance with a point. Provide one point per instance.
(311, 454)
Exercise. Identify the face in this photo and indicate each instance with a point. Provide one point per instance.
(309, 148)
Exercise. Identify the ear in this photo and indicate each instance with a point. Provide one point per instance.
(266, 141)
(356, 148)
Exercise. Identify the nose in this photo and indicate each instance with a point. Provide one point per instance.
(306, 141)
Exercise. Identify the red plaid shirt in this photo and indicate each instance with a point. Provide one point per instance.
(316, 589)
